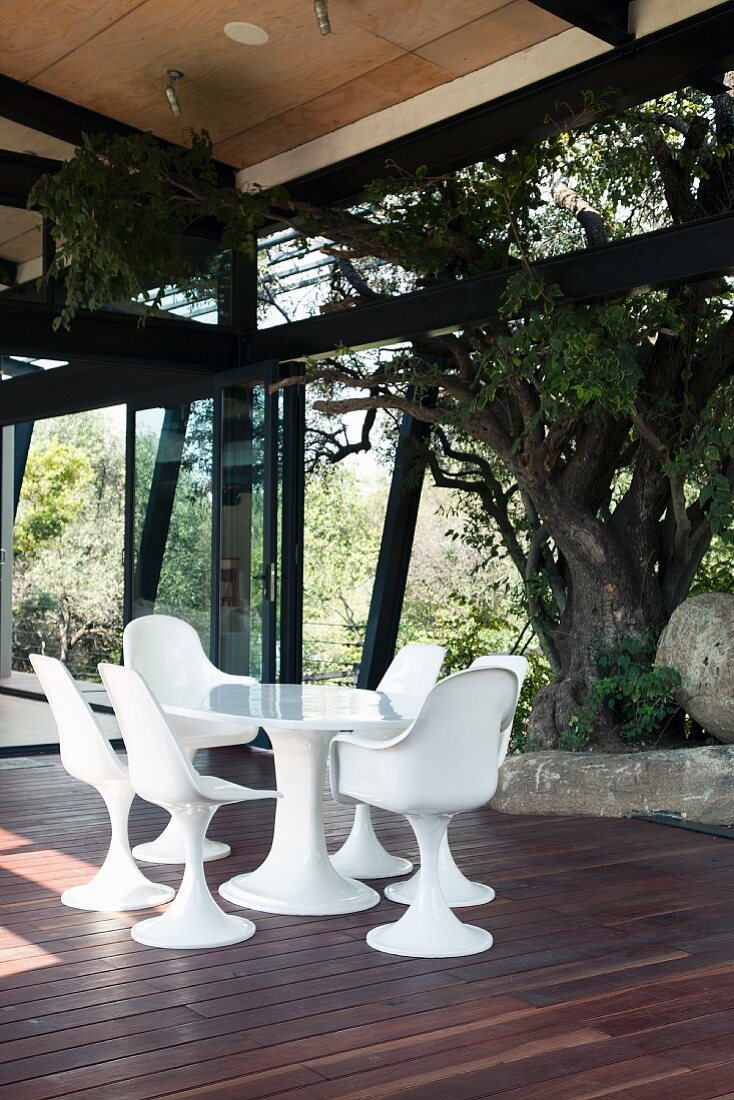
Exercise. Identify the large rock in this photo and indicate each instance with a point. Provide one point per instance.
(699, 642)
(691, 783)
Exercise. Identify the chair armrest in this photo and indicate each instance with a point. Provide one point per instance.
(348, 738)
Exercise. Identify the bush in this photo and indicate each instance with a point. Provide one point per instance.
(640, 694)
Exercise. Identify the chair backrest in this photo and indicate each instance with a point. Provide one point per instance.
(414, 670)
(85, 751)
(160, 770)
(168, 653)
(449, 759)
(518, 665)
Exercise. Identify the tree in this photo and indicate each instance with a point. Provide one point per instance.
(67, 582)
(597, 438)
(343, 523)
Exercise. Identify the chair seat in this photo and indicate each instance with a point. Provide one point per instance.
(221, 790)
(214, 738)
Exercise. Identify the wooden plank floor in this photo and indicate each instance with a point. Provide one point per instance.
(612, 972)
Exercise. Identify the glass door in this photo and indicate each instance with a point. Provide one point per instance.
(171, 512)
(7, 487)
(248, 574)
(206, 523)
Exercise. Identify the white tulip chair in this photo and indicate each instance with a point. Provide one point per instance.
(168, 653)
(119, 885)
(161, 772)
(413, 671)
(442, 765)
(458, 890)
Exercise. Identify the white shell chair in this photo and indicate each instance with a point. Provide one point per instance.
(168, 653)
(161, 772)
(417, 774)
(86, 754)
(413, 671)
(458, 890)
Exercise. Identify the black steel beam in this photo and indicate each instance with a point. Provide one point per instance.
(78, 387)
(109, 337)
(60, 118)
(605, 19)
(23, 435)
(393, 561)
(691, 252)
(675, 57)
(8, 272)
(159, 509)
(291, 549)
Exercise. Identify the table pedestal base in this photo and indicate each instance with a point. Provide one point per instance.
(266, 891)
(297, 877)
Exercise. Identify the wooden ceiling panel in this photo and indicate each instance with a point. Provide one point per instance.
(112, 57)
(36, 33)
(21, 139)
(227, 87)
(28, 246)
(509, 30)
(411, 23)
(389, 84)
(20, 234)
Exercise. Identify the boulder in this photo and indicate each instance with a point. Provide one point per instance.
(694, 784)
(699, 642)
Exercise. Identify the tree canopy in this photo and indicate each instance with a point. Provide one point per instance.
(598, 439)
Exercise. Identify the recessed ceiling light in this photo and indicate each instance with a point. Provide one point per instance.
(247, 34)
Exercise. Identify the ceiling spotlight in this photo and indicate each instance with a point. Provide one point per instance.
(171, 92)
(321, 11)
(247, 34)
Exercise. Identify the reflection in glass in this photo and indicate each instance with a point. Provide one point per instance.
(173, 513)
(242, 569)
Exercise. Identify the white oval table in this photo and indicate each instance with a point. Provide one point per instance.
(297, 876)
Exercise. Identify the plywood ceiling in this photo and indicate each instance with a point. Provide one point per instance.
(257, 101)
(20, 235)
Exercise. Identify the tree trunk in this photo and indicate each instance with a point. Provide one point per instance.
(611, 597)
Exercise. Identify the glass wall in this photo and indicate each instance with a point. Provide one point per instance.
(172, 513)
(68, 542)
(243, 581)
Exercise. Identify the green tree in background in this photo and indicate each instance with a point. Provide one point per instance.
(68, 581)
(343, 527)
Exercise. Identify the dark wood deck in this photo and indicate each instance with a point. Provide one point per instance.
(612, 971)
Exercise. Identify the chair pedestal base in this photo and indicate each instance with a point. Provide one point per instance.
(458, 890)
(429, 929)
(188, 934)
(113, 896)
(194, 920)
(393, 940)
(119, 885)
(363, 856)
(169, 848)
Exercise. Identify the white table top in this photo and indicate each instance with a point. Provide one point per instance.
(305, 706)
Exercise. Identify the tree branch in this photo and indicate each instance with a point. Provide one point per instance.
(587, 216)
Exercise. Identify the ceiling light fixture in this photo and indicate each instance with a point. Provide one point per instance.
(247, 34)
(321, 11)
(171, 92)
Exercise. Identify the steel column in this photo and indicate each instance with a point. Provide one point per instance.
(393, 562)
